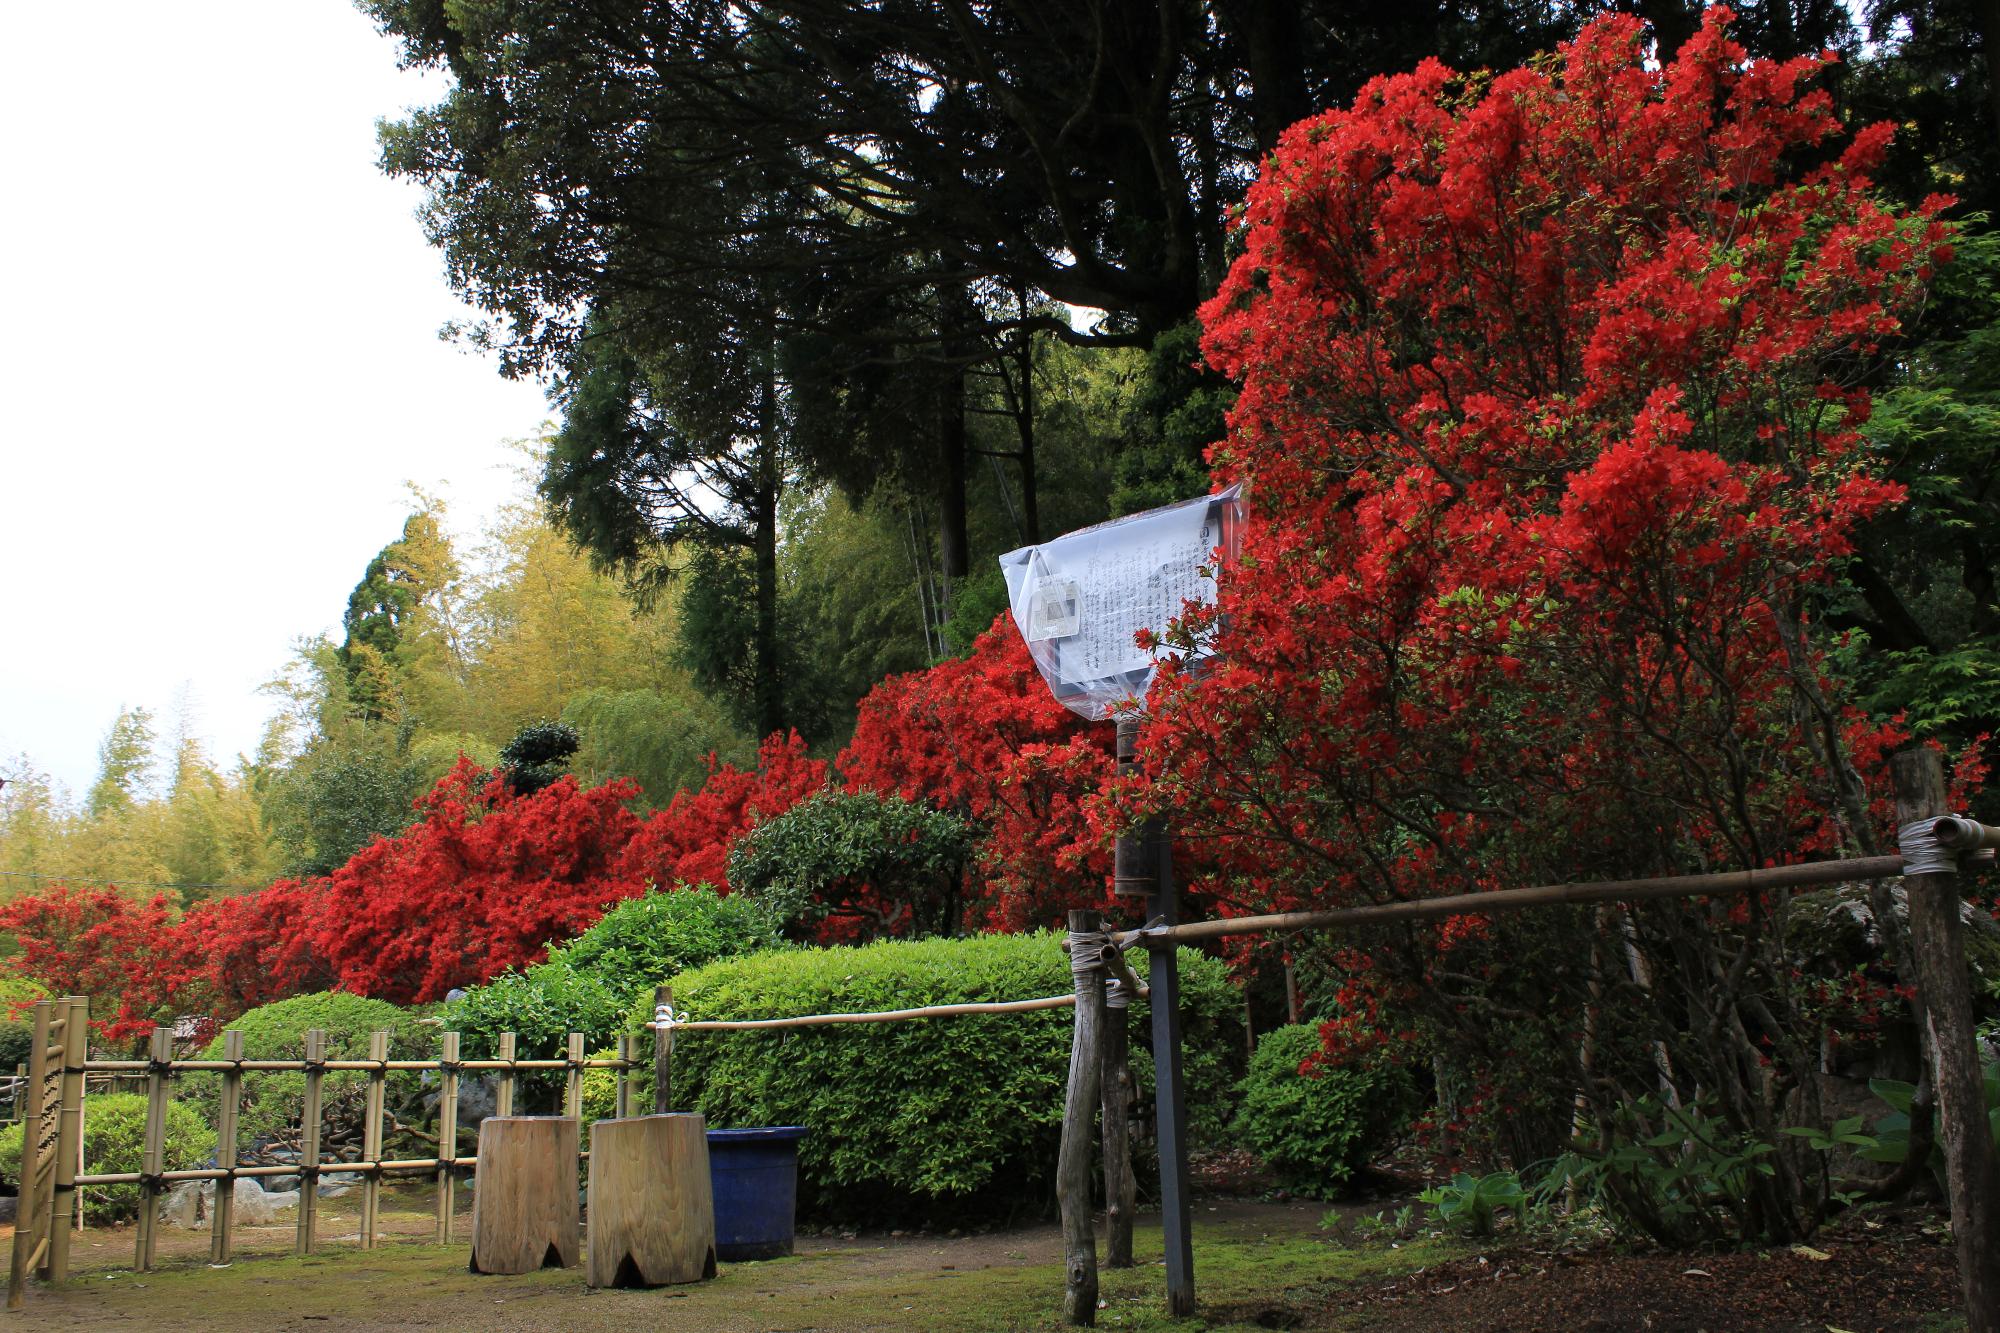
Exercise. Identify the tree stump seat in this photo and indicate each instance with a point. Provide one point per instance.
(652, 1210)
(524, 1208)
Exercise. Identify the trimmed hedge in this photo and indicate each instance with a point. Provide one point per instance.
(927, 1119)
(1315, 1131)
(114, 1141)
(272, 1101)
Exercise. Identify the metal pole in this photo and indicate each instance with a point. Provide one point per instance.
(1170, 1096)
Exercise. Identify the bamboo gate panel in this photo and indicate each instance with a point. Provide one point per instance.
(54, 1103)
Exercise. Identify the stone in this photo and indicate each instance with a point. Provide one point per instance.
(256, 1207)
(187, 1203)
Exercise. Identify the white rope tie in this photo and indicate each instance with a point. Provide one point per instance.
(1922, 853)
(1086, 953)
(664, 1016)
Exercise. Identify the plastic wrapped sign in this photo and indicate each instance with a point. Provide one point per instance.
(1081, 600)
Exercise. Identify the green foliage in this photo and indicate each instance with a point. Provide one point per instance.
(584, 986)
(1179, 410)
(1469, 1202)
(271, 1101)
(1313, 1131)
(17, 1019)
(538, 754)
(1890, 1141)
(1676, 1174)
(897, 864)
(336, 799)
(114, 1141)
(928, 1118)
(661, 739)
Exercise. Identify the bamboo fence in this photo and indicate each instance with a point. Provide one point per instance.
(54, 1103)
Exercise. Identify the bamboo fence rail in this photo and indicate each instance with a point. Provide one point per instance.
(53, 1099)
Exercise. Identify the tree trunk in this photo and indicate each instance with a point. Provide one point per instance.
(1121, 1187)
(1939, 955)
(770, 689)
(1079, 1114)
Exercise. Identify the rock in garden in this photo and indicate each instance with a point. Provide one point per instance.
(256, 1206)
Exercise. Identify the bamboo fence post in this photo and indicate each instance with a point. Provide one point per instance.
(1079, 1111)
(503, 1102)
(1121, 1187)
(1939, 954)
(309, 1136)
(222, 1217)
(146, 1233)
(624, 1104)
(66, 1208)
(663, 1053)
(371, 1135)
(573, 1083)
(447, 1191)
(35, 1144)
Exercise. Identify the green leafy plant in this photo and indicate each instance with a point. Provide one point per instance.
(17, 1019)
(1314, 1130)
(1675, 1174)
(1890, 1143)
(926, 1119)
(114, 1141)
(1469, 1202)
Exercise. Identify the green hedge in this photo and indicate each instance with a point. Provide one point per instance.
(1315, 1131)
(926, 1119)
(114, 1141)
(272, 1101)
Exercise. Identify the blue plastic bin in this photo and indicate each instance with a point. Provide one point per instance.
(755, 1175)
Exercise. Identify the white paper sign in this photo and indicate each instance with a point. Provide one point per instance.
(1081, 600)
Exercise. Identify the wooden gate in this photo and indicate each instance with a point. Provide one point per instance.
(51, 1131)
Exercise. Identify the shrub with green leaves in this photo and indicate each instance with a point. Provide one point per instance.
(585, 985)
(1313, 1131)
(17, 1019)
(930, 1118)
(114, 1141)
(272, 1101)
(893, 865)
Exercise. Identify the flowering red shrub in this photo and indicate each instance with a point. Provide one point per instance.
(690, 840)
(100, 943)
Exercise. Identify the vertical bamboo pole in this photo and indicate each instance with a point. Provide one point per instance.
(155, 1153)
(573, 1085)
(65, 1212)
(1939, 954)
(309, 1135)
(222, 1217)
(1079, 1112)
(1120, 1186)
(371, 1136)
(447, 1192)
(504, 1102)
(624, 1103)
(30, 1217)
(663, 1054)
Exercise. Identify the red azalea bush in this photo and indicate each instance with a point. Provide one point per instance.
(99, 943)
(690, 840)
(1549, 421)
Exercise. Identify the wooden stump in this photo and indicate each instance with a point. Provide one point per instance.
(652, 1211)
(524, 1211)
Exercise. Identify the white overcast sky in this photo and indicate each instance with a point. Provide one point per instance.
(218, 354)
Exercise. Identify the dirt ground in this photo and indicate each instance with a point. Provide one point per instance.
(1258, 1265)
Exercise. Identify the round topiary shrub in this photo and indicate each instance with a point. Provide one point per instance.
(272, 1101)
(114, 1140)
(929, 1119)
(1315, 1130)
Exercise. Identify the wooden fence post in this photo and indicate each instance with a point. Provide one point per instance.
(1170, 1095)
(1120, 1187)
(67, 1208)
(222, 1217)
(310, 1116)
(1939, 955)
(663, 1054)
(1079, 1112)
(573, 1084)
(153, 1160)
(447, 1191)
(371, 1135)
(503, 1104)
(38, 1141)
(623, 1106)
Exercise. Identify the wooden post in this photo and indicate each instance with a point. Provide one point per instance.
(623, 1105)
(503, 1104)
(524, 1213)
(65, 1210)
(1120, 1186)
(447, 1190)
(371, 1135)
(1079, 1111)
(1170, 1096)
(573, 1086)
(652, 1210)
(310, 1116)
(1939, 955)
(154, 1153)
(663, 1054)
(222, 1217)
(32, 1217)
